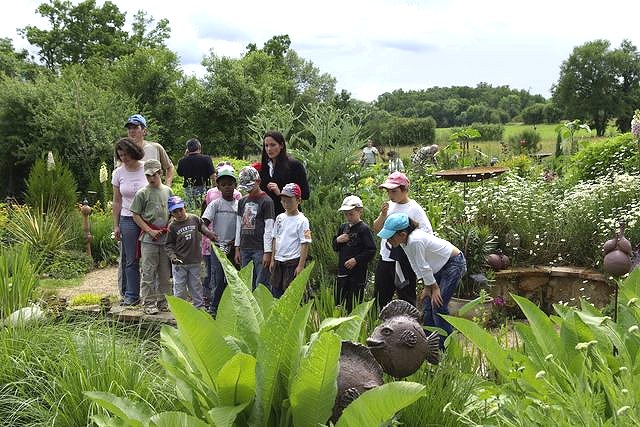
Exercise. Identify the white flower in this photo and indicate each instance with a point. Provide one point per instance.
(633, 329)
(104, 174)
(51, 164)
(548, 357)
(540, 374)
(585, 345)
(623, 410)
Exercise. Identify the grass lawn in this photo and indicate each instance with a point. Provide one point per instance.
(60, 283)
(493, 148)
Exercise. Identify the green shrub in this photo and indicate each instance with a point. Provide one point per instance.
(488, 131)
(51, 189)
(104, 247)
(67, 264)
(85, 299)
(525, 142)
(605, 157)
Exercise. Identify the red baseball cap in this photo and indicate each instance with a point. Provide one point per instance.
(291, 190)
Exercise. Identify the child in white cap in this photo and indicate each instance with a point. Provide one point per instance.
(356, 248)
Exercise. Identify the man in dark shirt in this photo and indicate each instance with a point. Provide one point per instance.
(197, 170)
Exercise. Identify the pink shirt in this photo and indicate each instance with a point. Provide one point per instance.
(128, 183)
(212, 195)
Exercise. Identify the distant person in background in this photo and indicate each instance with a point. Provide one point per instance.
(395, 162)
(278, 169)
(197, 170)
(369, 154)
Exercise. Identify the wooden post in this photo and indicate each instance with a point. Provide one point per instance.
(86, 226)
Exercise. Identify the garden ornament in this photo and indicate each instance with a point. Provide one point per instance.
(498, 261)
(359, 372)
(617, 254)
(399, 343)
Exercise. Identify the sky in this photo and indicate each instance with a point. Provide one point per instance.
(377, 46)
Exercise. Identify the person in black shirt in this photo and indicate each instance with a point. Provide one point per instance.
(197, 170)
(278, 170)
(356, 248)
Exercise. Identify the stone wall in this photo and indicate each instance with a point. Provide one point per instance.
(546, 286)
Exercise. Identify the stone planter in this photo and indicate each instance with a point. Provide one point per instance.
(455, 304)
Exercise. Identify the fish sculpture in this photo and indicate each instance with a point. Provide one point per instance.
(359, 372)
(399, 343)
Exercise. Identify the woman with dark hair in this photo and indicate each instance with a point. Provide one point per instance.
(127, 179)
(278, 169)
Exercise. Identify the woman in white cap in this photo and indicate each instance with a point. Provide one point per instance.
(435, 261)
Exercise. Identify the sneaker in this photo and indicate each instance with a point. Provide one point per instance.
(151, 310)
(129, 303)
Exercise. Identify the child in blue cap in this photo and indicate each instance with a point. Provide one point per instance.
(184, 250)
(436, 262)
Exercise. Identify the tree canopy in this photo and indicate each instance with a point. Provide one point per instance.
(597, 84)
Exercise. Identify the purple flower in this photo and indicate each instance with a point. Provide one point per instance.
(499, 301)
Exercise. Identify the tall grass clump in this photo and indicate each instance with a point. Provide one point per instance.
(45, 370)
(18, 279)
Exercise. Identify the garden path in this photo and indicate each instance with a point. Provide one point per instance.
(102, 281)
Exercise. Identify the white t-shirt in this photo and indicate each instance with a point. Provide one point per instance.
(413, 211)
(290, 231)
(222, 214)
(128, 183)
(427, 254)
(370, 154)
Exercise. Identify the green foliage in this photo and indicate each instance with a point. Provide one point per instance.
(67, 264)
(608, 156)
(526, 142)
(18, 279)
(488, 131)
(476, 242)
(597, 83)
(250, 367)
(51, 187)
(104, 248)
(46, 368)
(45, 233)
(567, 369)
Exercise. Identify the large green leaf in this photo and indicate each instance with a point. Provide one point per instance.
(510, 363)
(246, 275)
(265, 300)
(134, 414)
(102, 420)
(277, 338)
(236, 380)
(207, 347)
(542, 328)
(225, 416)
(239, 314)
(377, 406)
(350, 331)
(329, 324)
(173, 419)
(295, 345)
(313, 391)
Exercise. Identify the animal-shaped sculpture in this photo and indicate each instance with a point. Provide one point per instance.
(399, 343)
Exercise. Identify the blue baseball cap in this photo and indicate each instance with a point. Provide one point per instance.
(136, 119)
(175, 202)
(394, 223)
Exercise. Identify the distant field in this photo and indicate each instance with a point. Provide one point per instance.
(492, 148)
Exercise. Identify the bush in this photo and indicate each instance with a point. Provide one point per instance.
(488, 131)
(525, 142)
(605, 157)
(51, 189)
(18, 279)
(67, 264)
(104, 247)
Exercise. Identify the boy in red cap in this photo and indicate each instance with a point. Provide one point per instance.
(291, 238)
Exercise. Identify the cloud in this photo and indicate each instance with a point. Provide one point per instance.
(410, 46)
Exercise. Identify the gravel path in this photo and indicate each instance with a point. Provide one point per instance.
(103, 281)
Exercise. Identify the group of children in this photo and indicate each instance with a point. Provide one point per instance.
(245, 229)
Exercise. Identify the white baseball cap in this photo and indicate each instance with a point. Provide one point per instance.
(351, 202)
